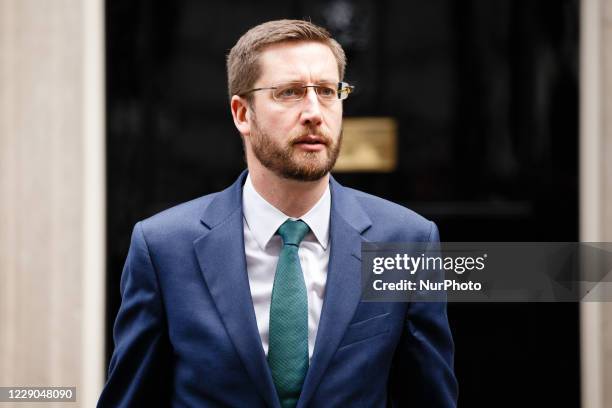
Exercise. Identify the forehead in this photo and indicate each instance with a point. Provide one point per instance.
(307, 61)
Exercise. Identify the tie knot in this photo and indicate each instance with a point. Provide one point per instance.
(293, 232)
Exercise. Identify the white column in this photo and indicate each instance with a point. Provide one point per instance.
(596, 190)
(52, 195)
(606, 183)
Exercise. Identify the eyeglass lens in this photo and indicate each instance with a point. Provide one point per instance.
(296, 91)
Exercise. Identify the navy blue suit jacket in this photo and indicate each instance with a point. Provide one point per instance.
(186, 334)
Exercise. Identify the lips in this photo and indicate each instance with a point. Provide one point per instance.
(310, 143)
(310, 140)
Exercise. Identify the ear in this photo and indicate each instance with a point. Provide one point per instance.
(240, 108)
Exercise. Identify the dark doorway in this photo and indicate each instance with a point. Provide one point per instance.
(485, 94)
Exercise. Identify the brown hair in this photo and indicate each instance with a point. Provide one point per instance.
(243, 68)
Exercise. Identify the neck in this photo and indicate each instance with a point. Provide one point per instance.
(294, 198)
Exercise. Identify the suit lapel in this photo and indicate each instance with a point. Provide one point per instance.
(220, 253)
(343, 287)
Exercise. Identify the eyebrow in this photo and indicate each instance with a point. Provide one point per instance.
(333, 81)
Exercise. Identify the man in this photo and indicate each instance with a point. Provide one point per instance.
(250, 297)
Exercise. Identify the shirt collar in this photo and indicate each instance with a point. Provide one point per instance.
(263, 219)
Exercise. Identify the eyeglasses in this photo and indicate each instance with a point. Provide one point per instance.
(295, 91)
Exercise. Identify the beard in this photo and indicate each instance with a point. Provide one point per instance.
(289, 161)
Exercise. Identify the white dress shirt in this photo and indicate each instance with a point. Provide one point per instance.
(262, 247)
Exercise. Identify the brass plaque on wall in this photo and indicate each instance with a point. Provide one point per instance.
(368, 145)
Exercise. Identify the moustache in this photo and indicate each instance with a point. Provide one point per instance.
(312, 136)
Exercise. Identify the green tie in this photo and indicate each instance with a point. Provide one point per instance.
(288, 347)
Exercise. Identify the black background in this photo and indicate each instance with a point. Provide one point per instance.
(486, 97)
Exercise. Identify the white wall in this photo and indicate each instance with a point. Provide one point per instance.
(596, 189)
(52, 195)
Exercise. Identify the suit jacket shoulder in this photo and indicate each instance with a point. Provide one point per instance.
(174, 220)
(391, 221)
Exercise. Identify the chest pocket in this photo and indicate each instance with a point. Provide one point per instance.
(366, 329)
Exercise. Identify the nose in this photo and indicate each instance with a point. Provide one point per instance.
(311, 109)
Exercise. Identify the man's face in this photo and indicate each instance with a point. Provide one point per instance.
(298, 140)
